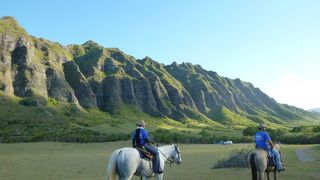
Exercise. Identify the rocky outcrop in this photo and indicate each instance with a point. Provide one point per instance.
(58, 88)
(20, 75)
(80, 85)
(32, 67)
(7, 45)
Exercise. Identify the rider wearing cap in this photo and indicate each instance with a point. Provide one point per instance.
(140, 138)
(263, 141)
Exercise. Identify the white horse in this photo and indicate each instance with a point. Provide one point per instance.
(127, 162)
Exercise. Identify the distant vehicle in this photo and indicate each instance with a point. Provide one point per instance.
(223, 142)
(228, 142)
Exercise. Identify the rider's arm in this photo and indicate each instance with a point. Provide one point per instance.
(146, 136)
(270, 143)
(268, 139)
(133, 139)
(133, 143)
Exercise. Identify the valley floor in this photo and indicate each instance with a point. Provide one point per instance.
(59, 161)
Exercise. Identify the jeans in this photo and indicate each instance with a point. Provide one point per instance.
(277, 158)
(156, 160)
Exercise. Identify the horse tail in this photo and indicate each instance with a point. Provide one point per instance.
(112, 168)
(253, 167)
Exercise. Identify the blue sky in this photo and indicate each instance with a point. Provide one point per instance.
(273, 44)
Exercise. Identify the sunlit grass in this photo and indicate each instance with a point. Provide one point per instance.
(33, 161)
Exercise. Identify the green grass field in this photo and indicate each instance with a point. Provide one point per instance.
(58, 161)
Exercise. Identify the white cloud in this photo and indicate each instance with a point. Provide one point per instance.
(297, 91)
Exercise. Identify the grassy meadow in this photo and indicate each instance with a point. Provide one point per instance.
(58, 161)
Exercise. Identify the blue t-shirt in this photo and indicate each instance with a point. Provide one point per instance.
(143, 136)
(262, 139)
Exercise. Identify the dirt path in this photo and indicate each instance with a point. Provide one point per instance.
(304, 155)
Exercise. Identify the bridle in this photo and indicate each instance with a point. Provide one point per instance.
(172, 160)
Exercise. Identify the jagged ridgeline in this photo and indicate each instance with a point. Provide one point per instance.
(89, 76)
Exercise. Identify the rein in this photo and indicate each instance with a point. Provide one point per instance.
(171, 160)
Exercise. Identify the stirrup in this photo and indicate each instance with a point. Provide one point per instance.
(281, 169)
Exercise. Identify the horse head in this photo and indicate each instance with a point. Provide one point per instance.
(176, 157)
(172, 154)
(276, 146)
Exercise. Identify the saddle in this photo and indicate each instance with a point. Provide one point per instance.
(271, 161)
(144, 154)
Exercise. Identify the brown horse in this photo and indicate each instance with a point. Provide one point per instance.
(258, 162)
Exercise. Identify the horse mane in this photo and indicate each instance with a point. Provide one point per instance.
(165, 146)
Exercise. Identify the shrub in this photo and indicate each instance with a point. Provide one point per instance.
(316, 129)
(296, 129)
(276, 134)
(301, 138)
(34, 101)
(237, 158)
(249, 131)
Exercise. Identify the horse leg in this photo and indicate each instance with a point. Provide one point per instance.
(261, 175)
(254, 174)
(275, 174)
(125, 173)
(268, 177)
(159, 176)
(126, 178)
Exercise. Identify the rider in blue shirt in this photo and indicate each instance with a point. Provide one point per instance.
(263, 141)
(262, 138)
(140, 138)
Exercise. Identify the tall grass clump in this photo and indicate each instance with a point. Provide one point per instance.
(237, 158)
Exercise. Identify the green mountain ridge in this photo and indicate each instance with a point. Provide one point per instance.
(315, 110)
(89, 76)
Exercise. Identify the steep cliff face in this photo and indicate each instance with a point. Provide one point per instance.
(91, 76)
(119, 79)
(215, 96)
(14, 57)
(115, 80)
(32, 67)
(80, 85)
